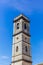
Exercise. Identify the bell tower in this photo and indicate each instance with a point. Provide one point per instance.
(21, 52)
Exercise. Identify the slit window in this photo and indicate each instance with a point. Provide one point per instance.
(25, 27)
(26, 48)
(17, 49)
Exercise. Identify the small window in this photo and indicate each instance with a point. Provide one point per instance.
(25, 27)
(17, 49)
(26, 48)
(17, 25)
(25, 38)
(17, 38)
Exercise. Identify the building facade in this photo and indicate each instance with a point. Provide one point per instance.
(21, 47)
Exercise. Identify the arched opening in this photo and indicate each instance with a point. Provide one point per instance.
(17, 25)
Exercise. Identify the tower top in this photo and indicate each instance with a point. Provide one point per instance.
(21, 16)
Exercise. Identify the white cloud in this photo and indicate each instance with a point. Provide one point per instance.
(26, 6)
(4, 1)
(4, 57)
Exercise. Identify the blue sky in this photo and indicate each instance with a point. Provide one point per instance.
(9, 9)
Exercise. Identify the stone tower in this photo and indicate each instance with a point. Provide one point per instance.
(21, 53)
